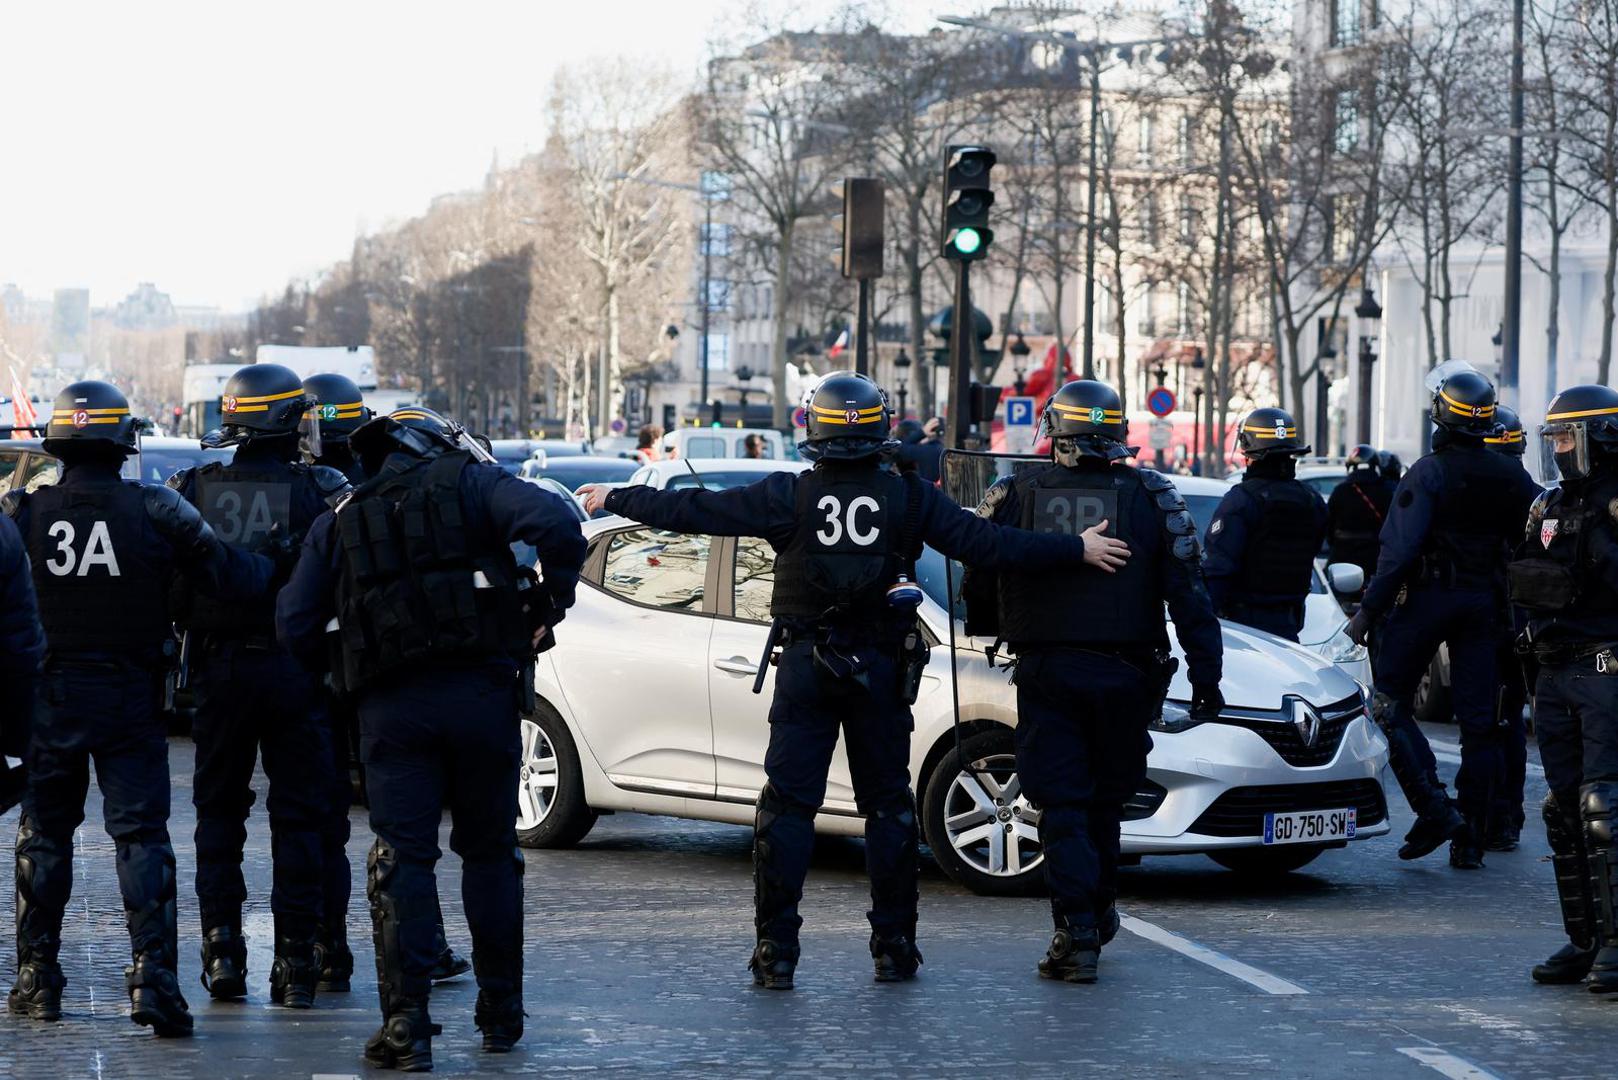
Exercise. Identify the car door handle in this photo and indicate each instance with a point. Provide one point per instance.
(736, 665)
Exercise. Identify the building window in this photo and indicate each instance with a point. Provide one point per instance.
(1143, 139)
(1147, 324)
(1188, 219)
(715, 240)
(718, 294)
(1185, 140)
(1345, 228)
(1105, 312)
(1148, 220)
(1182, 310)
(1346, 121)
(718, 352)
(1345, 22)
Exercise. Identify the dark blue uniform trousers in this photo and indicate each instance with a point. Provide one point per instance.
(1082, 742)
(446, 737)
(336, 876)
(809, 709)
(103, 711)
(252, 700)
(1576, 724)
(1468, 620)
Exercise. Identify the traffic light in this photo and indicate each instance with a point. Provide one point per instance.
(967, 198)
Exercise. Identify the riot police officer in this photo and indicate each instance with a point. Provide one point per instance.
(102, 550)
(1506, 820)
(1092, 652)
(846, 536)
(432, 625)
(22, 647)
(1355, 512)
(1440, 578)
(338, 411)
(1264, 536)
(252, 697)
(1565, 579)
(916, 452)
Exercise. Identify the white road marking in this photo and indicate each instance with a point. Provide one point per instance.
(1252, 976)
(1446, 1063)
(1451, 752)
(333, 1076)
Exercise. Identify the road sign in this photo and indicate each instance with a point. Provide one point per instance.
(799, 418)
(1160, 401)
(1020, 422)
(618, 425)
(1162, 436)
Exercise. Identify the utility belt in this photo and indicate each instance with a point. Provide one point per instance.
(843, 655)
(1156, 664)
(1601, 657)
(1443, 570)
(214, 644)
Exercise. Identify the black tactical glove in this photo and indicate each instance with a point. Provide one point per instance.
(1359, 627)
(1206, 702)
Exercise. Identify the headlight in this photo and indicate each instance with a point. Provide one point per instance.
(1341, 649)
(1176, 717)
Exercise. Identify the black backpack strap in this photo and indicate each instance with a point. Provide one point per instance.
(910, 523)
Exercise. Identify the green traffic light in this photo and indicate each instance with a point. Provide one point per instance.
(967, 241)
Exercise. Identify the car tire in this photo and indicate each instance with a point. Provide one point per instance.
(956, 808)
(551, 811)
(1432, 702)
(1267, 862)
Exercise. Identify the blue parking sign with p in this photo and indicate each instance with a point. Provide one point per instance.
(1020, 412)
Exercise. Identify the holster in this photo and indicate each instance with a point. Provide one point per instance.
(913, 656)
(1161, 675)
(1541, 585)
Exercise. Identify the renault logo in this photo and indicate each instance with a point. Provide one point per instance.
(1306, 720)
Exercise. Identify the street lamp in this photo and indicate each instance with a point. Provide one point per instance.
(744, 375)
(1198, 365)
(901, 375)
(1369, 314)
(1325, 371)
(1019, 361)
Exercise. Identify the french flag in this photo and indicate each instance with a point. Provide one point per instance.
(839, 346)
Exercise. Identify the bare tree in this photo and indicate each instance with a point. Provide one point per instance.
(1592, 96)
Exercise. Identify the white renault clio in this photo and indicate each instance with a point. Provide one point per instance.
(646, 704)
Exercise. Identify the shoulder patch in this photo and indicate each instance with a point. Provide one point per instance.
(1217, 527)
(1406, 497)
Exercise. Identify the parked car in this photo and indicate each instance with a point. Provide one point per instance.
(574, 472)
(688, 615)
(715, 474)
(1322, 474)
(25, 464)
(717, 442)
(509, 454)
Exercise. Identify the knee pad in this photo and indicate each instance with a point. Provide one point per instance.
(1561, 815)
(381, 863)
(899, 808)
(1597, 803)
(772, 805)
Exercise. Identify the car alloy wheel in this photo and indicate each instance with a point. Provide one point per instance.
(537, 777)
(992, 826)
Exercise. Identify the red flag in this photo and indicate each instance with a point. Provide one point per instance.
(22, 409)
(838, 346)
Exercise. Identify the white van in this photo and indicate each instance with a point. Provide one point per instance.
(721, 442)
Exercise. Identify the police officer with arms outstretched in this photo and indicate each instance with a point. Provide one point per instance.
(846, 535)
(1355, 512)
(1565, 580)
(1092, 651)
(1264, 536)
(338, 411)
(102, 550)
(252, 697)
(432, 624)
(1440, 578)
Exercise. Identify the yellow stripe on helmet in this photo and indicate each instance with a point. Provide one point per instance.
(1271, 432)
(68, 414)
(1084, 411)
(1582, 412)
(1509, 438)
(1478, 411)
(266, 398)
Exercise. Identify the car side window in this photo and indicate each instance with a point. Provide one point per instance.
(41, 471)
(755, 579)
(658, 569)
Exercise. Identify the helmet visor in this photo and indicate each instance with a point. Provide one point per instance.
(1435, 378)
(465, 441)
(309, 440)
(1564, 451)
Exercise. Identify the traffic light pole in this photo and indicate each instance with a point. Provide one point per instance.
(862, 317)
(961, 343)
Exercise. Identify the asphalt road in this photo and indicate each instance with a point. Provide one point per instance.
(1360, 966)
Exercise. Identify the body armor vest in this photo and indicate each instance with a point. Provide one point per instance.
(251, 505)
(857, 530)
(1358, 507)
(99, 569)
(1473, 528)
(1554, 577)
(414, 585)
(1281, 546)
(1081, 605)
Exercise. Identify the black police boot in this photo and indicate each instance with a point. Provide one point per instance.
(1443, 822)
(37, 993)
(155, 1000)
(1565, 832)
(500, 1020)
(773, 964)
(295, 974)
(895, 956)
(1466, 847)
(1503, 836)
(334, 961)
(449, 965)
(1599, 806)
(1108, 924)
(405, 1039)
(224, 963)
(1074, 955)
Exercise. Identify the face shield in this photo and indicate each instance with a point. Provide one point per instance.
(1564, 451)
(477, 446)
(1435, 378)
(309, 440)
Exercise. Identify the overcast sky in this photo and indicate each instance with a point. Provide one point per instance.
(218, 148)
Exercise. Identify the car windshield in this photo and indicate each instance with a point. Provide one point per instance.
(716, 480)
(157, 465)
(572, 472)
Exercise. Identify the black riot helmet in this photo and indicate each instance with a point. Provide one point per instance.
(1463, 401)
(846, 417)
(261, 401)
(338, 405)
(1362, 456)
(1389, 466)
(92, 413)
(1508, 437)
(1579, 432)
(415, 430)
(1269, 431)
(1085, 418)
